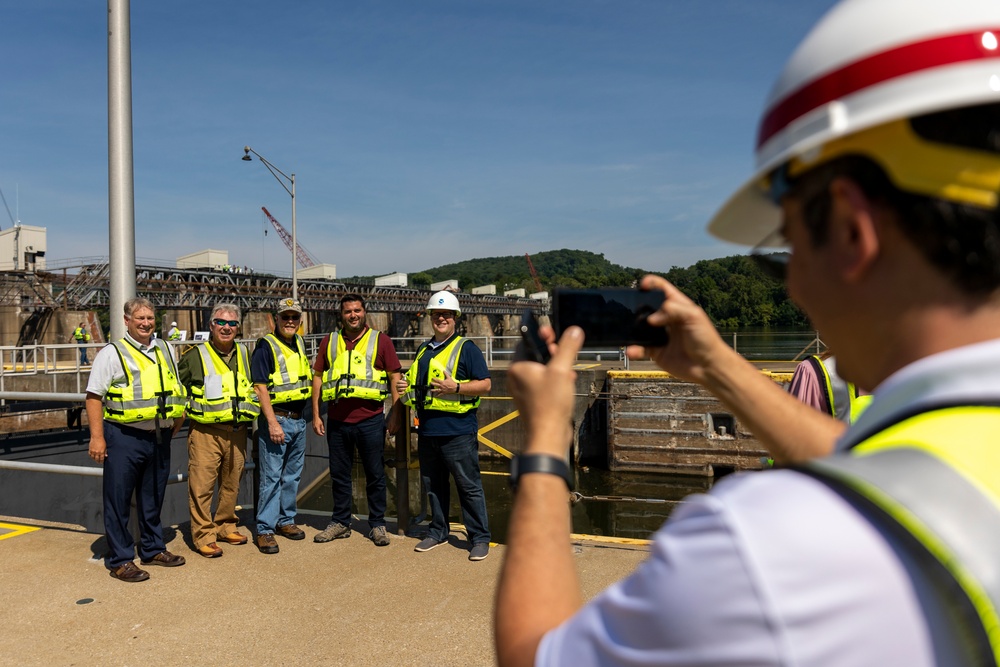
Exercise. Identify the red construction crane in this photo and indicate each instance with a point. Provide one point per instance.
(534, 274)
(301, 255)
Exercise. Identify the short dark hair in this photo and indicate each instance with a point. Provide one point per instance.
(348, 298)
(961, 241)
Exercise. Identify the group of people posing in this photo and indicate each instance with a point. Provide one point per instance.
(138, 399)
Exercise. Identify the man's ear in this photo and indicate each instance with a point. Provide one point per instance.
(854, 229)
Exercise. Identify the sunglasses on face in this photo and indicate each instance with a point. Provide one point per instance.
(223, 323)
(445, 314)
(771, 255)
(291, 318)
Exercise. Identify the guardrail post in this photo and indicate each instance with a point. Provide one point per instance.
(403, 473)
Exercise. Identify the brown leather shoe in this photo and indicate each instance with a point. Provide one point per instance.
(166, 559)
(130, 573)
(234, 538)
(267, 544)
(292, 532)
(210, 550)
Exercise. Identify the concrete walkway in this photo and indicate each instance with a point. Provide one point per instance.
(342, 603)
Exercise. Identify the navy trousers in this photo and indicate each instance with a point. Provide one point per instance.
(368, 438)
(138, 464)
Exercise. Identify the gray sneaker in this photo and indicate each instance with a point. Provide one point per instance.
(480, 550)
(333, 531)
(379, 536)
(427, 544)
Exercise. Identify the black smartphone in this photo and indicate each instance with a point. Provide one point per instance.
(534, 347)
(609, 317)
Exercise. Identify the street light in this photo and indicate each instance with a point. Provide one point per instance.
(278, 176)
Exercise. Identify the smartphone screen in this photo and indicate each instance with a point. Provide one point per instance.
(609, 317)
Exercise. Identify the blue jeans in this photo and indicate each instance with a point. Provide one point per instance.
(83, 354)
(459, 456)
(368, 437)
(138, 464)
(280, 470)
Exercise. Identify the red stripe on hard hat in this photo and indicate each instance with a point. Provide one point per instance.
(873, 70)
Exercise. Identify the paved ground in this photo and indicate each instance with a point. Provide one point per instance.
(342, 603)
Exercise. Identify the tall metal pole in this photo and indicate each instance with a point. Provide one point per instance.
(295, 249)
(121, 186)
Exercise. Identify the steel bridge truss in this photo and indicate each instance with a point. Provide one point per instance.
(197, 289)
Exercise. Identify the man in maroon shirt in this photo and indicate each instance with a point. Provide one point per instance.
(355, 370)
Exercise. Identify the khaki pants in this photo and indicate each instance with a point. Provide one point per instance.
(216, 454)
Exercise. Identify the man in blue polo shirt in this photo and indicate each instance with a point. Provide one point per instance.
(444, 384)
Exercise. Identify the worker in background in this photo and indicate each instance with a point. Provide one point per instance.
(879, 171)
(354, 371)
(444, 384)
(221, 406)
(174, 333)
(282, 379)
(82, 337)
(133, 398)
(816, 383)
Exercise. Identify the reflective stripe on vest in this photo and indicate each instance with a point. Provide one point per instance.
(151, 388)
(291, 379)
(341, 378)
(840, 394)
(421, 396)
(953, 530)
(236, 400)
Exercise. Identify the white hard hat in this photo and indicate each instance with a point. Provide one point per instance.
(444, 301)
(173, 324)
(851, 87)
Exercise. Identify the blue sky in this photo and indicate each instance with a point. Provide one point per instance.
(420, 132)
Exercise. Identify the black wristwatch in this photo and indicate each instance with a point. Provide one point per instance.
(522, 464)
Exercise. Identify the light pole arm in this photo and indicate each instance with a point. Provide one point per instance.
(275, 172)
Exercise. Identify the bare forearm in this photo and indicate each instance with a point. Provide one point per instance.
(538, 587)
(791, 431)
(95, 416)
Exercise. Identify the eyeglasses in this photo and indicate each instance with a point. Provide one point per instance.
(291, 318)
(446, 314)
(771, 255)
(223, 323)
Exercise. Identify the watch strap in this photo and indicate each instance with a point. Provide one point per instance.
(524, 464)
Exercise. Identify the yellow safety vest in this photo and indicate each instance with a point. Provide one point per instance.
(842, 396)
(81, 335)
(225, 396)
(151, 387)
(934, 478)
(353, 374)
(420, 396)
(291, 379)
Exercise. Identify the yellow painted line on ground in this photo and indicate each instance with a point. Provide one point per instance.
(16, 530)
(583, 367)
(495, 472)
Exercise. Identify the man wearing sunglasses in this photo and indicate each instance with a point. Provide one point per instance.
(879, 169)
(282, 379)
(222, 403)
(355, 370)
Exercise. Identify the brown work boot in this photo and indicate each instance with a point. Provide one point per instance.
(291, 531)
(233, 538)
(130, 573)
(267, 544)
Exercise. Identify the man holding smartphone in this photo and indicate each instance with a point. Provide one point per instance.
(444, 384)
(886, 196)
